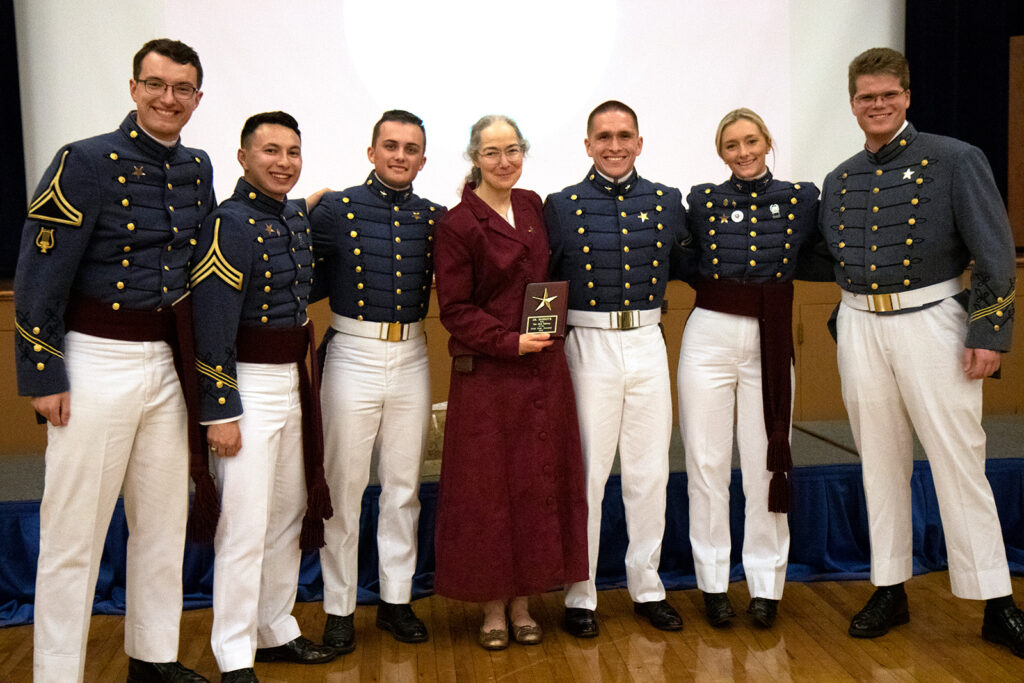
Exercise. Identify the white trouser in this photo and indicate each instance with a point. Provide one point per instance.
(376, 400)
(623, 399)
(263, 499)
(719, 373)
(127, 426)
(904, 371)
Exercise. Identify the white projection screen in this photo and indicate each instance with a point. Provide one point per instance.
(336, 65)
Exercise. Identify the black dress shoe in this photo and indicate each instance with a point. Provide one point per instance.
(886, 608)
(718, 608)
(661, 614)
(300, 651)
(340, 633)
(580, 622)
(160, 672)
(764, 611)
(239, 676)
(401, 622)
(1006, 627)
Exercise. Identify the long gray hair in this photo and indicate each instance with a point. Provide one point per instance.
(473, 148)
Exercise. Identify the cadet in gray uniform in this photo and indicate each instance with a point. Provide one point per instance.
(902, 220)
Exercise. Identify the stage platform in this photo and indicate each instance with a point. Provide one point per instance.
(828, 523)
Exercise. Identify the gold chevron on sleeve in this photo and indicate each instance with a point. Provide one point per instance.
(215, 263)
(36, 341)
(998, 306)
(216, 375)
(52, 205)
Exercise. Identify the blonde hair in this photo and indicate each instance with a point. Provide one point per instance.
(742, 114)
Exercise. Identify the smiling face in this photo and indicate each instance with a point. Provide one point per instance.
(398, 154)
(743, 148)
(500, 158)
(272, 159)
(614, 143)
(164, 115)
(880, 105)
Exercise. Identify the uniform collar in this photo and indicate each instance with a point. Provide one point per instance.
(748, 186)
(248, 193)
(385, 192)
(612, 188)
(892, 149)
(144, 141)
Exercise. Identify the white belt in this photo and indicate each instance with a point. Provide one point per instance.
(614, 320)
(897, 301)
(392, 332)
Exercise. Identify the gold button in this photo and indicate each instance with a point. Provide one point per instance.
(220, 385)
(995, 327)
(874, 209)
(874, 228)
(658, 207)
(753, 263)
(588, 267)
(263, 319)
(398, 257)
(37, 348)
(398, 240)
(579, 212)
(912, 221)
(572, 197)
(924, 162)
(753, 207)
(593, 303)
(121, 179)
(266, 257)
(842, 245)
(134, 134)
(586, 250)
(709, 205)
(716, 276)
(40, 366)
(267, 274)
(713, 247)
(626, 267)
(622, 213)
(654, 263)
(124, 262)
(753, 220)
(350, 215)
(659, 192)
(626, 285)
(398, 291)
(714, 261)
(906, 283)
(357, 251)
(252, 195)
(396, 208)
(130, 226)
(626, 302)
(920, 181)
(396, 224)
(873, 267)
(753, 234)
(915, 201)
(398, 273)
(120, 285)
(874, 285)
(625, 232)
(113, 155)
(620, 197)
(878, 171)
(590, 285)
(353, 233)
(267, 289)
(999, 314)
(790, 216)
(906, 262)
(793, 200)
(124, 202)
(116, 306)
(753, 247)
(874, 247)
(711, 232)
(169, 186)
(398, 307)
(264, 307)
(753, 194)
(625, 250)
(874, 190)
(359, 285)
(789, 231)
(785, 260)
(222, 400)
(252, 221)
(580, 230)
(344, 200)
(361, 303)
(909, 242)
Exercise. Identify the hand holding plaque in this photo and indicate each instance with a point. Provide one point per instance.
(545, 305)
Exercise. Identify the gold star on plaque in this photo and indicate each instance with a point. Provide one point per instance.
(544, 300)
(138, 171)
(907, 174)
(643, 216)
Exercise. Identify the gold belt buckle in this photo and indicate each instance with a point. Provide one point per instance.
(626, 320)
(883, 303)
(394, 333)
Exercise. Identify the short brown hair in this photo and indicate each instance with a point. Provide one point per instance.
(611, 105)
(172, 49)
(879, 60)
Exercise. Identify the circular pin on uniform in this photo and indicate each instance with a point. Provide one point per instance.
(736, 216)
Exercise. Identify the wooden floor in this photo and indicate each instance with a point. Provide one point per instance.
(942, 642)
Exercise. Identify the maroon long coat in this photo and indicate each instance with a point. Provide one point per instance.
(512, 508)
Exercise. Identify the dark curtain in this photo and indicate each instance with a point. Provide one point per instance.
(12, 157)
(959, 54)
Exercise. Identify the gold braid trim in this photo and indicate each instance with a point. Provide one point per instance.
(32, 339)
(989, 310)
(216, 375)
(53, 198)
(215, 263)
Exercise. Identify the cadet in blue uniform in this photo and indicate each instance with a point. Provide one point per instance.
(902, 220)
(251, 281)
(612, 237)
(376, 243)
(104, 257)
(737, 356)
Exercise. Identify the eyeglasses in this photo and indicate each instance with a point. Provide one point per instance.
(866, 99)
(182, 91)
(513, 154)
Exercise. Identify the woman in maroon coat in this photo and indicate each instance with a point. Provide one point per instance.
(512, 511)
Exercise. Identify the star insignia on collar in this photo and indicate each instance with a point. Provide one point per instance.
(383, 193)
(138, 171)
(271, 230)
(416, 215)
(724, 218)
(907, 174)
(545, 301)
(643, 216)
